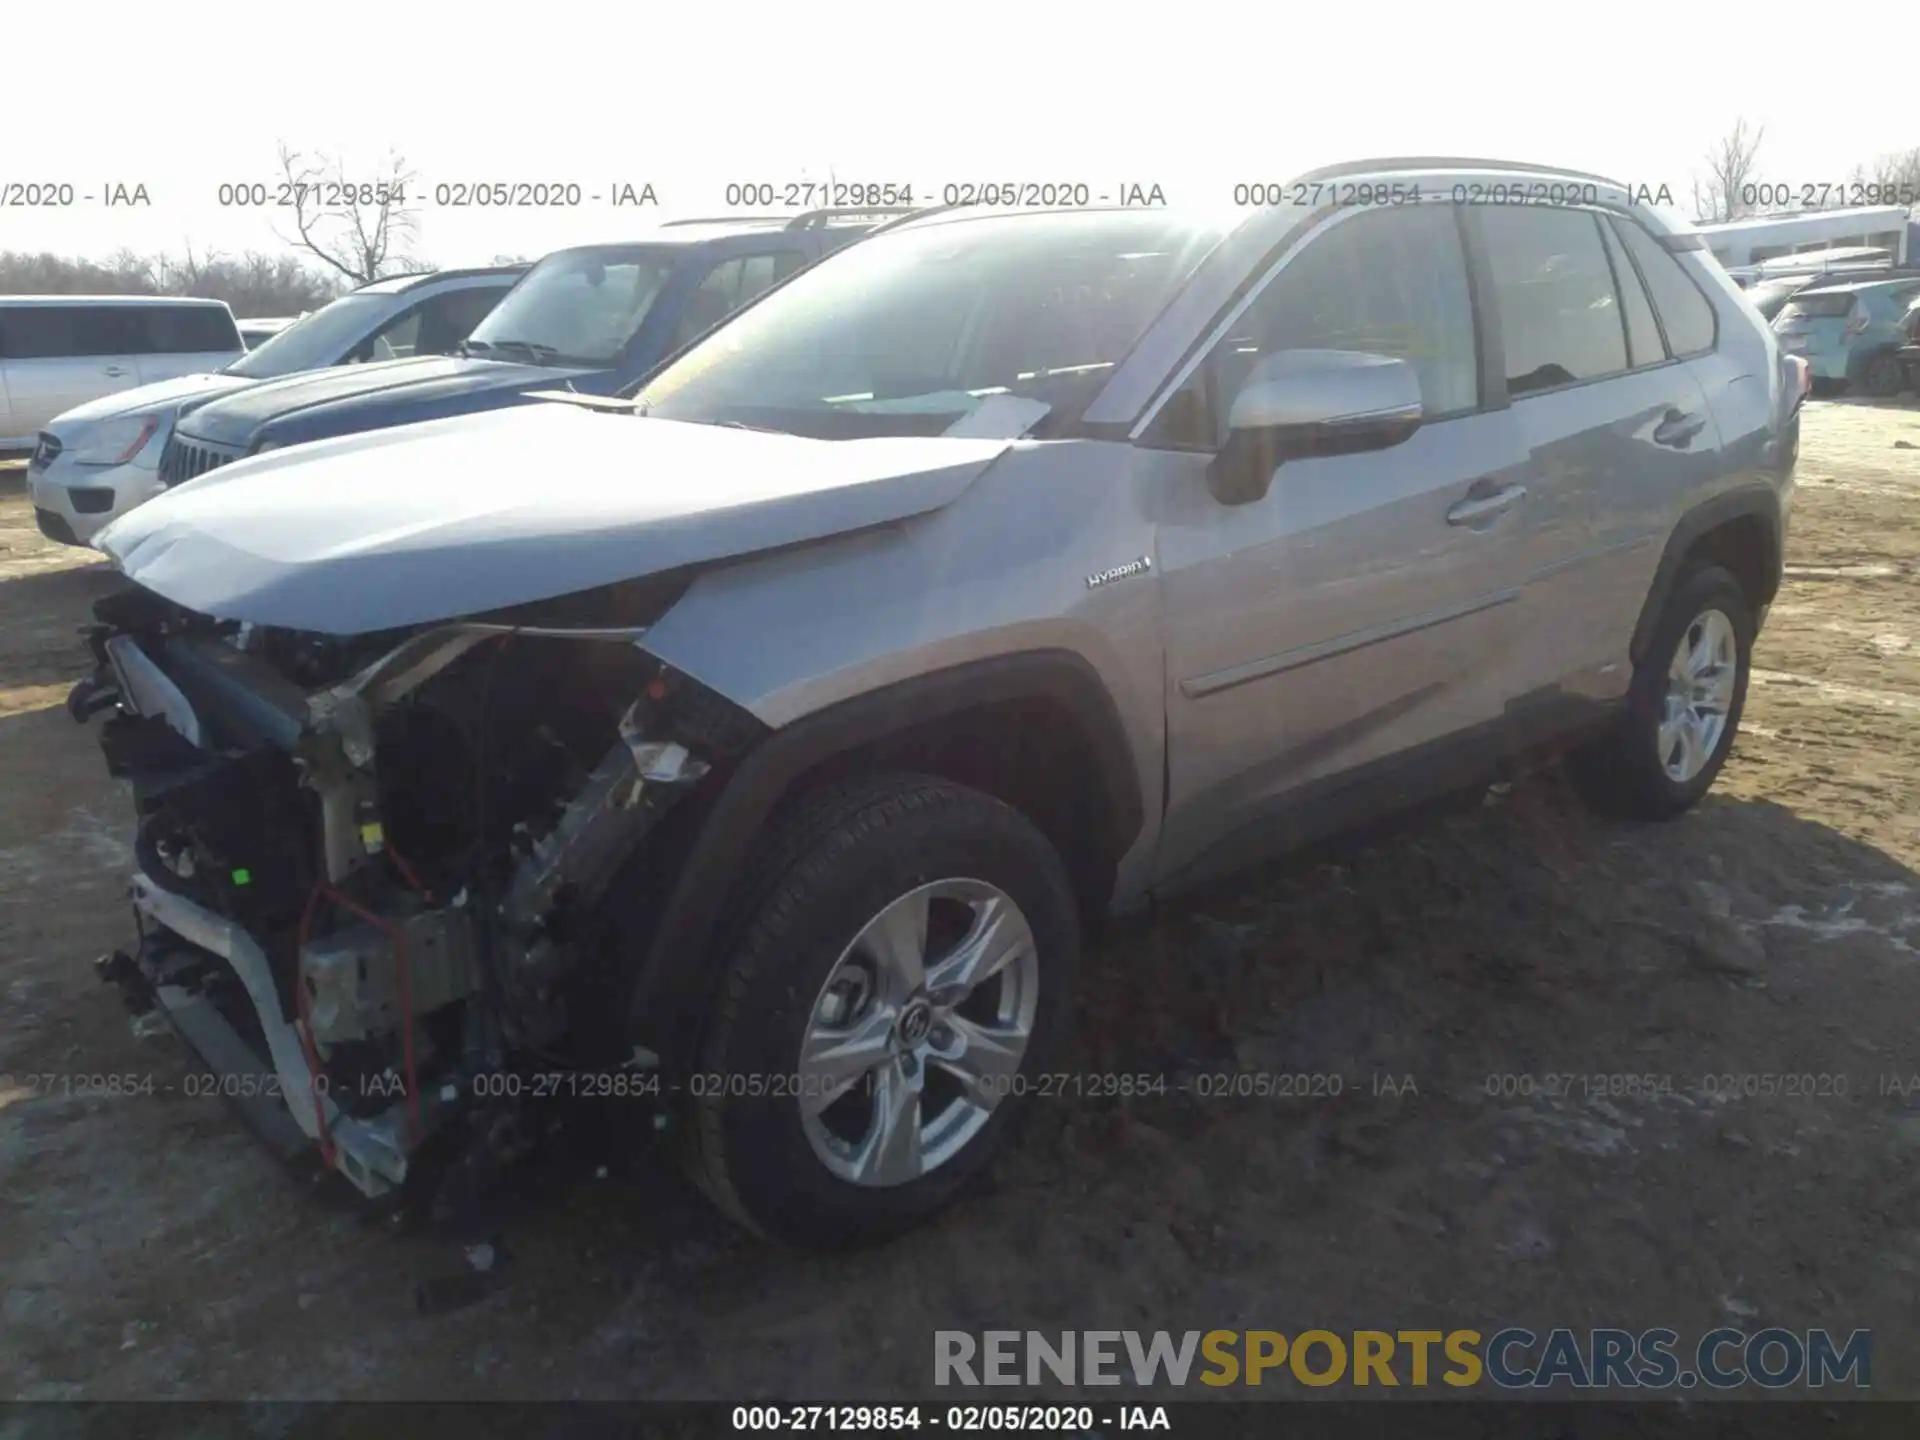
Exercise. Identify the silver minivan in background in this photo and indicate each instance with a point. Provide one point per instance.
(59, 351)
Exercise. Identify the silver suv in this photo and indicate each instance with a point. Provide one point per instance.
(753, 751)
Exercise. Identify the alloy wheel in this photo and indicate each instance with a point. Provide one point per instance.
(918, 1033)
(1701, 679)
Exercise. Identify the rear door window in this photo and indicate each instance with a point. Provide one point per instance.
(189, 329)
(67, 332)
(1559, 316)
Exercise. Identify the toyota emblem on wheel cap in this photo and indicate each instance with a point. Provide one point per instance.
(915, 1022)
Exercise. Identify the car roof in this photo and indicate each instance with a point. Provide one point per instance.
(192, 300)
(1679, 233)
(724, 230)
(1394, 164)
(413, 279)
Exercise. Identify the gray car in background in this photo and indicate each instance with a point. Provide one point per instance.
(94, 462)
(752, 750)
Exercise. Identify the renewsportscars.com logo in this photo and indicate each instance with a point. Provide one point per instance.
(1509, 1359)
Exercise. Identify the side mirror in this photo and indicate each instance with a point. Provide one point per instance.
(1300, 403)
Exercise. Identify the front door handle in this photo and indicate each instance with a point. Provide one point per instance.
(1677, 428)
(1485, 507)
(115, 370)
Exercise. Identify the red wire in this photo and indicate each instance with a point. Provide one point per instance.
(320, 889)
(307, 1046)
(406, 998)
(407, 872)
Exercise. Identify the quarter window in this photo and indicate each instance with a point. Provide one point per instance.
(1559, 317)
(1685, 314)
(1643, 331)
(190, 329)
(1384, 282)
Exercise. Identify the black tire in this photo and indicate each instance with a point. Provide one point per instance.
(1622, 773)
(1884, 377)
(827, 865)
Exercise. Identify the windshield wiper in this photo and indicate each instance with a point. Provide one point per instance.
(471, 347)
(542, 354)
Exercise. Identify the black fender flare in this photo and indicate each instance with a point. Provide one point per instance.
(669, 977)
(1756, 500)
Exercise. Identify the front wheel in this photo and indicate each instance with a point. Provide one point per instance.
(902, 966)
(1683, 707)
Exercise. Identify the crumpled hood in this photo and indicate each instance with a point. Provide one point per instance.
(161, 395)
(457, 517)
(352, 390)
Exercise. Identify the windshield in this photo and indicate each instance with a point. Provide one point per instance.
(906, 332)
(579, 306)
(316, 340)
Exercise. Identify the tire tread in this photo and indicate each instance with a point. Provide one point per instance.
(806, 841)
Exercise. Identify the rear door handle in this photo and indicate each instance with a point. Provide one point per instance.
(1484, 507)
(1677, 428)
(115, 370)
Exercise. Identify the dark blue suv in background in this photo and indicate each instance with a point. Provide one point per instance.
(594, 318)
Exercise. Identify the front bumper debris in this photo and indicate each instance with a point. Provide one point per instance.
(371, 1154)
(255, 794)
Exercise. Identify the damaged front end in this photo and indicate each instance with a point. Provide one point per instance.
(374, 872)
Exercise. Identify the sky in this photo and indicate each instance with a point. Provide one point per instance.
(1197, 97)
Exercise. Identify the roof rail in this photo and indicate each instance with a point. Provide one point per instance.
(396, 275)
(461, 272)
(817, 219)
(729, 220)
(1444, 162)
(804, 220)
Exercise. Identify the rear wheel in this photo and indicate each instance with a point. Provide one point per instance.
(1683, 708)
(1884, 376)
(904, 953)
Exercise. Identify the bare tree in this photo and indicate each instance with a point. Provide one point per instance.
(253, 284)
(1896, 173)
(358, 226)
(1730, 172)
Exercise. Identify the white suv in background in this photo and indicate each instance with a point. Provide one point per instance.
(97, 460)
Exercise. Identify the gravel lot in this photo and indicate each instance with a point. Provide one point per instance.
(148, 1248)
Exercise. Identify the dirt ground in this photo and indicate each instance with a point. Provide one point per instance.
(149, 1248)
